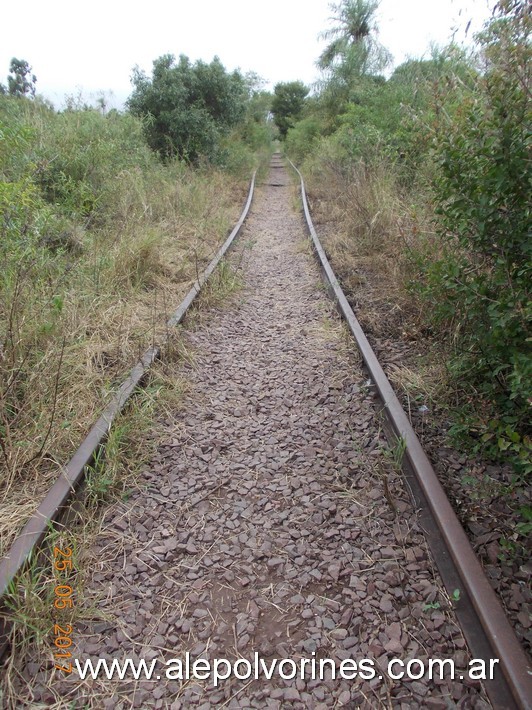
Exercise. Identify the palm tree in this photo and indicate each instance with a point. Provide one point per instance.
(353, 38)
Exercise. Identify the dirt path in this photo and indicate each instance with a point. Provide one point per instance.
(264, 525)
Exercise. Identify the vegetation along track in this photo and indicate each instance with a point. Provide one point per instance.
(274, 518)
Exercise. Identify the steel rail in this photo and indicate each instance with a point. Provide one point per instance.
(497, 629)
(62, 491)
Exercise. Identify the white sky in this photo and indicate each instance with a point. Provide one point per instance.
(75, 46)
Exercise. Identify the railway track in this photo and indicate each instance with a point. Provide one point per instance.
(272, 520)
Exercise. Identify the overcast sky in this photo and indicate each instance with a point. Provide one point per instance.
(92, 47)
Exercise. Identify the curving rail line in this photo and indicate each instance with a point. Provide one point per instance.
(484, 623)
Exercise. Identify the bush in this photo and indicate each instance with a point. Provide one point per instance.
(187, 107)
(481, 288)
(98, 242)
(236, 157)
(301, 139)
(83, 152)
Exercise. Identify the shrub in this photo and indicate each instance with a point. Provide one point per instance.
(301, 139)
(83, 152)
(481, 288)
(187, 107)
(98, 242)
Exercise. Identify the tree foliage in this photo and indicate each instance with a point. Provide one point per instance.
(288, 103)
(352, 55)
(188, 107)
(21, 81)
(482, 286)
(353, 39)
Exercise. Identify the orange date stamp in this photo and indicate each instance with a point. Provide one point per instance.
(64, 599)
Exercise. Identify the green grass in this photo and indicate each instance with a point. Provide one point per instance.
(99, 242)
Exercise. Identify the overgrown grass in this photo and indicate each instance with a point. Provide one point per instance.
(30, 605)
(442, 259)
(374, 230)
(115, 473)
(99, 242)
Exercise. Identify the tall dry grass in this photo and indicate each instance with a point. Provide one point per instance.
(374, 231)
(74, 320)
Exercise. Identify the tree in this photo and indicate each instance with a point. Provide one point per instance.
(287, 105)
(21, 81)
(188, 107)
(353, 38)
(352, 57)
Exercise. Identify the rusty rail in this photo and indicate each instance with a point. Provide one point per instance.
(498, 632)
(63, 490)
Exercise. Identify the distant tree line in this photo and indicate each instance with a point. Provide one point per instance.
(189, 110)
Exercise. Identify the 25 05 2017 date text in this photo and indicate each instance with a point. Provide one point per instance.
(64, 600)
